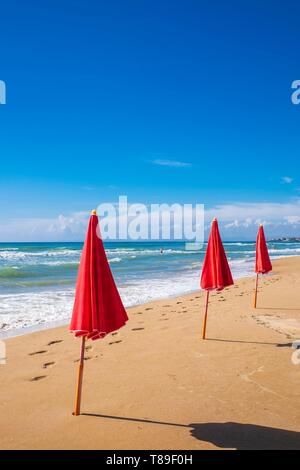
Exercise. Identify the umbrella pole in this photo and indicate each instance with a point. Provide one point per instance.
(255, 293)
(79, 379)
(205, 315)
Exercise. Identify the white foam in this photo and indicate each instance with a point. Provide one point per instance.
(35, 310)
(238, 244)
(20, 311)
(150, 252)
(12, 254)
(40, 258)
(284, 250)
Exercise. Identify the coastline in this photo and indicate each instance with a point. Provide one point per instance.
(14, 333)
(237, 389)
(37, 281)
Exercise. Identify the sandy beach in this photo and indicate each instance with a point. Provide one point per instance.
(156, 384)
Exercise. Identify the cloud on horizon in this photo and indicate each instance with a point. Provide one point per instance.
(171, 163)
(238, 221)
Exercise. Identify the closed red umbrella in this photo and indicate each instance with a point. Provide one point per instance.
(98, 309)
(216, 272)
(263, 264)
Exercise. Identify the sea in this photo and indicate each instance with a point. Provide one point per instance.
(37, 280)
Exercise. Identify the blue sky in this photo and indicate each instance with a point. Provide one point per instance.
(164, 101)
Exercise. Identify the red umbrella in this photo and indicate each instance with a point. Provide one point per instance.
(262, 263)
(98, 309)
(216, 273)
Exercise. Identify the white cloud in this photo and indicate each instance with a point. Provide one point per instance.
(235, 223)
(293, 219)
(240, 220)
(236, 220)
(254, 212)
(172, 163)
(60, 228)
(287, 179)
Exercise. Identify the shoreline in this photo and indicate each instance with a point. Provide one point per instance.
(37, 282)
(60, 323)
(237, 389)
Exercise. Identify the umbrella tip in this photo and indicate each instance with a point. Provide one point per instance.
(214, 219)
(94, 212)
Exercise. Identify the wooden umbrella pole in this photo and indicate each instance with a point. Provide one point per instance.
(79, 379)
(205, 315)
(255, 293)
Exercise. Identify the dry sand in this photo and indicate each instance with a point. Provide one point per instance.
(157, 385)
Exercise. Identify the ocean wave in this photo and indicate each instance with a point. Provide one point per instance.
(245, 252)
(37, 288)
(115, 260)
(45, 283)
(9, 249)
(18, 311)
(234, 262)
(35, 309)
(238, 244)
(284, 250)
(14, 272)
(143, 252)
(271, 251)
(62, 264)
(119, 250)
(8, 254)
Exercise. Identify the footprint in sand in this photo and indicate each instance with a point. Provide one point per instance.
(87, 358)
(42, 351)
(137, 329)
(115, 342)
(38, 377)
(138, 313)
(48, 364)
(166, 305)
(149, 308)
(179, 303)
(55, 341)
(88, 348)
